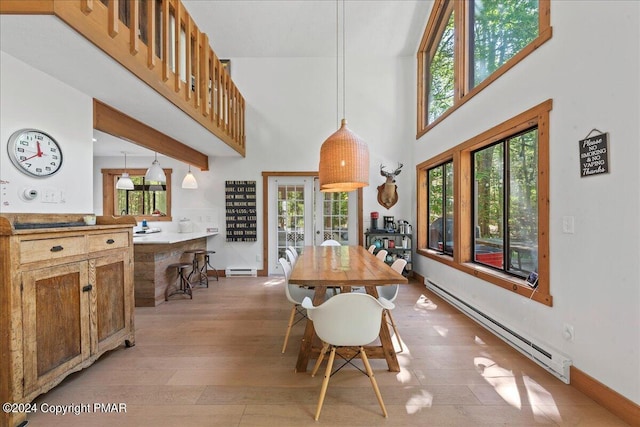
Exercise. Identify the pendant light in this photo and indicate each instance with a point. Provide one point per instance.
(124, 182)
(344, 156)
(189, 180)
(155, 172)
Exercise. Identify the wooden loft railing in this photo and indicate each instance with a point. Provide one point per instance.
(160, 43)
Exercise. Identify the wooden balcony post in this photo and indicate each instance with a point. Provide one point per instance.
(205, 75)
(134, 26)
(165, 40)
(151, 31)
(176, 42)
(86, 6)
(187, 56)
(196, 68)
(113, 18)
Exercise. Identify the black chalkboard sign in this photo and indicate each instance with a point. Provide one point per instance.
(594, 155)
(241, 211)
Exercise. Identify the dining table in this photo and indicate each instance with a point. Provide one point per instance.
(343, 267)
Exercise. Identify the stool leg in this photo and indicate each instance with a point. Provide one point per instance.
(207, 261)
(186, 285)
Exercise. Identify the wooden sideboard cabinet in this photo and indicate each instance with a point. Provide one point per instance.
(66, 297)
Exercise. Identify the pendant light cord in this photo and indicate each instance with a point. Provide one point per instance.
(337, 67)
(344, 75)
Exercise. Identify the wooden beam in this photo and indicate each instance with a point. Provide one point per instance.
(116, 123)
(26, 7)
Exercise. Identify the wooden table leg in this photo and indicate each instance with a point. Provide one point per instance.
(310, 333)
(385, 338)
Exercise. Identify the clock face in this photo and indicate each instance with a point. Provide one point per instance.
(34, 153)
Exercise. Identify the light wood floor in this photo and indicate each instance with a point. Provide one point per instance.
(216, 361)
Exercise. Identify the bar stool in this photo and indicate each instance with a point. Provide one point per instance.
(196, 275)
(207, 264)
(184, 287)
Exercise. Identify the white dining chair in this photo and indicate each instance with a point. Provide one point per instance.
(390, 293)
(291, 257)
(347, 320)
(295, 294)
(294, 252)
(372, 249)
(330, 242)
(382, 255)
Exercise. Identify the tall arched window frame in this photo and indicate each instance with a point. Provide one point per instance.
(469, 44)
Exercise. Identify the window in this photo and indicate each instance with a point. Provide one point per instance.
(505, 195)
(440, 210)
(483, 205)
(148, 200)
(469, 44)
(441, 75)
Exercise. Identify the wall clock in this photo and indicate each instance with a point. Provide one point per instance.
(34, 153)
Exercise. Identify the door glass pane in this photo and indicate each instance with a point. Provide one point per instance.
(290, 217)
(335, 217)
(523, 203)
(489, 205)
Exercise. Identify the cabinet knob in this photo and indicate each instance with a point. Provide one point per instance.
(110, 241)
(87, 288)
(57, 248)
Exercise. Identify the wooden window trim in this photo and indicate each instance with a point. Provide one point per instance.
(461, 155)
(109, 179)
(462, 92)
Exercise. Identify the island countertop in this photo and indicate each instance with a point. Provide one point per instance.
(168, 237)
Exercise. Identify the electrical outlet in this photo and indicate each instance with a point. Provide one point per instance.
(568, 332)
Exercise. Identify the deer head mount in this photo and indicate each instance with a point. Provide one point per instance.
(388, 192)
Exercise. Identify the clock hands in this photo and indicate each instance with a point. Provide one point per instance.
(39, 153)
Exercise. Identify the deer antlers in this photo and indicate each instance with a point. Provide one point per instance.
(391, 174)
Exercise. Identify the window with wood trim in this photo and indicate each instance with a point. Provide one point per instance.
(483, 206)
(147, 200)
(469, 44)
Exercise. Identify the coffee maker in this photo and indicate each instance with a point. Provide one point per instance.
(389, 223)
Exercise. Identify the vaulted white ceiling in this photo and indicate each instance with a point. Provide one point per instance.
(307, 28)
(236, 28)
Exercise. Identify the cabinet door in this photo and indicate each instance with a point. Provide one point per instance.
(111, 301)
(55, 322)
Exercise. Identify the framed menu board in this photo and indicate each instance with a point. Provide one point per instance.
(241, 211)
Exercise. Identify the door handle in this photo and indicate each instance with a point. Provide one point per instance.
(110, 241)
(87, 288)
(57, 248)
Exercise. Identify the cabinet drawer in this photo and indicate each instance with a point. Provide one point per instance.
(47, 249)
(101, 242)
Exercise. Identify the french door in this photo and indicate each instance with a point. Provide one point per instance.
(300, 215)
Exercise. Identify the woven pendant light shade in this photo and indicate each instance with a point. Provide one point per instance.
(344, 161)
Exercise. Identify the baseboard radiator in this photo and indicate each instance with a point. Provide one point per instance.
(240, 272)
(551, 360)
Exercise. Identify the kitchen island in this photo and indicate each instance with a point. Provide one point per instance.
(152, 255)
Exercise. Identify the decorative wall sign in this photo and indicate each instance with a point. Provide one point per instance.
(594, 154)
(241, 211)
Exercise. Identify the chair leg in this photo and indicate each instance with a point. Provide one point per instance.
(395, 330)
(325, 347)
(373, 381)
(286, 336)
(325, 382)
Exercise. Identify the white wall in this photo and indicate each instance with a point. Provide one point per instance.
(590, 68)
(32, 99)
(291, 110)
